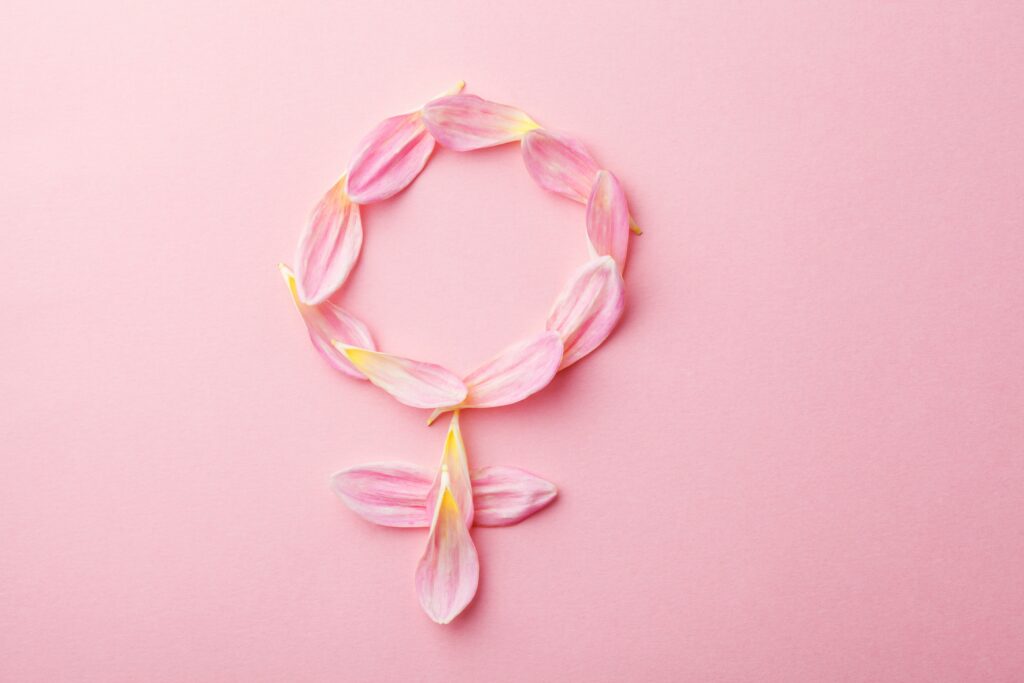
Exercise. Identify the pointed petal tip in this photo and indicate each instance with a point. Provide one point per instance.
(438, 412)
(289, 281)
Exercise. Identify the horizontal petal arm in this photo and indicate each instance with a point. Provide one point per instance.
(507, 495)
(389, 494)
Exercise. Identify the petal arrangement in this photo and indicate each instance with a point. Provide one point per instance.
(451, 498)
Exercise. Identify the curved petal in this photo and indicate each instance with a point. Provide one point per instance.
(465, 122)
(389, 494)
(517, 372)
(588, 309)
(414, 383)
(329, 246)
(449, 571)
(327, 321)
(389, 158)
(608, 219)
(559, 163)
(508, 495)
(453, 460)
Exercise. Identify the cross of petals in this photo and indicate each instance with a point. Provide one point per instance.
(450, 500)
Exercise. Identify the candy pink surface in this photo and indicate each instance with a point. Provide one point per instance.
(799, 458)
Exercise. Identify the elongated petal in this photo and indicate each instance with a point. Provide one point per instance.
(588, 309)
(448, 573)
(608, 219)
(329, 246)
(327, 321)
(389, 158)
(508, 495)
(559, 163)
(414, 383)
(453, 461)
(465, 122)
(517, 372)
(389, 494)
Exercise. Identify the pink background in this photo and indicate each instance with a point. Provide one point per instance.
(798, 459)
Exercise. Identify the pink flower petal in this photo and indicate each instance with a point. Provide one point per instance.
(389, 494)
(508, 495)
(389, 158)
(327, 321)
(608, 219)
(453, 460)
(329, 246)
(465, 122)
(588, 309)
(414, 383)
(449, 571)
(517, 372)
(559, 163)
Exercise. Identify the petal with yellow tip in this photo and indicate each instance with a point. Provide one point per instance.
(449, 570)
(326, 321)
(328, 247)
(453, 460)
(412, 382)
(466, 122)
(588, 309)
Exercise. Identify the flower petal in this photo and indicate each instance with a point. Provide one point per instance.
(327, 321)
(588, 309)
(389, 494)
(559, 163)
(389, 158)
(448, 573)
(414, 383)
(453, 460)
(608, 219)
(465, 122)
(329, 246)
(508, 495)
(517, 372)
